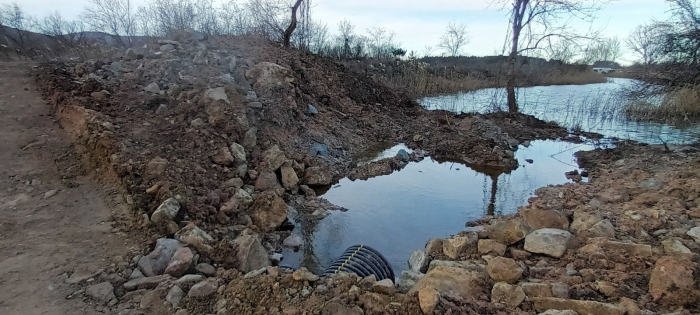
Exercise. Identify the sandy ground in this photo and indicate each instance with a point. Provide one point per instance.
(43, 238)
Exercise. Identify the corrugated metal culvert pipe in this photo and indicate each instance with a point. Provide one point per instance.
(362, 260)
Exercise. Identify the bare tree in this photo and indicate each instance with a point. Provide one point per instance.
(606, 49)
(644, 42)
(428, 50)
(381, 41)
(534, 23)
(15, 17)
(562, 50)
(454, 39)
(115, 17)
(292, 24)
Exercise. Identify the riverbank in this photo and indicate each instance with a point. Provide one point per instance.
(218, 142)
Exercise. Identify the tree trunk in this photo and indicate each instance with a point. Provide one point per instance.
(292, 24)
(519, 7)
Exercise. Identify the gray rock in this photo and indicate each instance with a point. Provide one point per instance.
(552, 242)
(175, 295)
(197, 122)
(188, 280)
(273, 158)
(694, 233)
(419, 261)
(459, 245)
(251, 96)
(232, 64)
(407, 280)
(250, 138)
(402, 155)
(157, 261)
(216, 94)
(238, 152)
(116, 67)
(317, 176)
(674, 246)
(251, 255)
(255, 273)
(152, 88)
(312, 110)
(560, 290)
(167, 47)
(319, 149)
(293, 241)
(198, 238)
(558, 312)
(146, 282)
(603, 228)
(180, 263)
(255, 105)
(200, 58)
(166, 212)
(206, 269)
(136, 274)
(385, 286)
(205, 288)
(102, 291)
(162, 109)
(80, 275)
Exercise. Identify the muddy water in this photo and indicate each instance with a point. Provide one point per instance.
(398, 213)
(592, 107)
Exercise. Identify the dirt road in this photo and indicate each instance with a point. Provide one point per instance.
(54, 219)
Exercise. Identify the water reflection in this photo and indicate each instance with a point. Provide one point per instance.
(398, 213)
(591, 107)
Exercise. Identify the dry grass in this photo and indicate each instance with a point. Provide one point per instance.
(566, 78)
(681, 103)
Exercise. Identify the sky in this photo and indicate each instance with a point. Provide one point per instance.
(420, 23)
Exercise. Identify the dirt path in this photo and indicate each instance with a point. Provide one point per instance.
(53, 218)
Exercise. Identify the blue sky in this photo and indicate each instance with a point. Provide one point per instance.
(420, 23)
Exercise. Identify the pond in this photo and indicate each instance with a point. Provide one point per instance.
(399, 212)
(591, 107)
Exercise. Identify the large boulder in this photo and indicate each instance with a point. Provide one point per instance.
(157, 260)
(538, 218)
(289, 177)
(459, 245)
(502, 269)
(551, 242)
(673, 283)
(458, 281)
(317, 176)
(491, 247)
(250, 253)
(273, 158)
(266, 180)
(419, 261)
(180, 263)
(268, 211)
(508, 232)
(408, 280)
(584, 221)
(510, 295)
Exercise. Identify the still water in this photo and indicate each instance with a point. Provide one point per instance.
(399, 212)
(592, 107)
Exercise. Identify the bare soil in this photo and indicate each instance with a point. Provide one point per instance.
(54, 218)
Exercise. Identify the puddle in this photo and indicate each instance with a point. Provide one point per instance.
(398, 213)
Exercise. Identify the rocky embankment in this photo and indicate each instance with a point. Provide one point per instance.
(219, 142)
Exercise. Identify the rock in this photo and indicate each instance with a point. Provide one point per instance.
(466, 264)
(510, 295)
(293, 241)
(203, 289)
(552, 242)
(251, 96)
(536, 289)
(255, 105)
(491, 247)
(419, 261)
(504, 269)
(80, 275)
(197, 122)
(434, 246)
(385, 286)
(193, 235)
(175, 295)
(674, 246)
(584, 221)
(630, 306)
(558, 312)
(269, 76)
(642, 250)
(672, 282)
(255, 273)
(537, 218)
(250, 255)
(694, 233)
(103, 291)
(206, 269)
(336, 308)
(157, 261)
(580, 307)
(156, 167)
(250, 139)
(402, 155)
(216, 94)
(479, 230)
(603, 228)
(428, 299)
(167, 47)
(273, 158)
(116, 67)
(146, 282)
(223, 157)
(459, 245)
(266, 180)
(180, 263)
(319, 149)
(238, 152)
(101, 95)
(460, 282)
(244, 199)
(560, 290)
(166, 212)
(508, 232)
(188, 280)
(152, 88)
(608, 289)
(268, 211)
(312, 109)
(303, 274)
(289, 177)
(317, 176)
(407, 280)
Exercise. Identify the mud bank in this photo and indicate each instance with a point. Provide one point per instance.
(217, 141)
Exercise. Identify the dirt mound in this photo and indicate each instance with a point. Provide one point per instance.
(214, 137)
